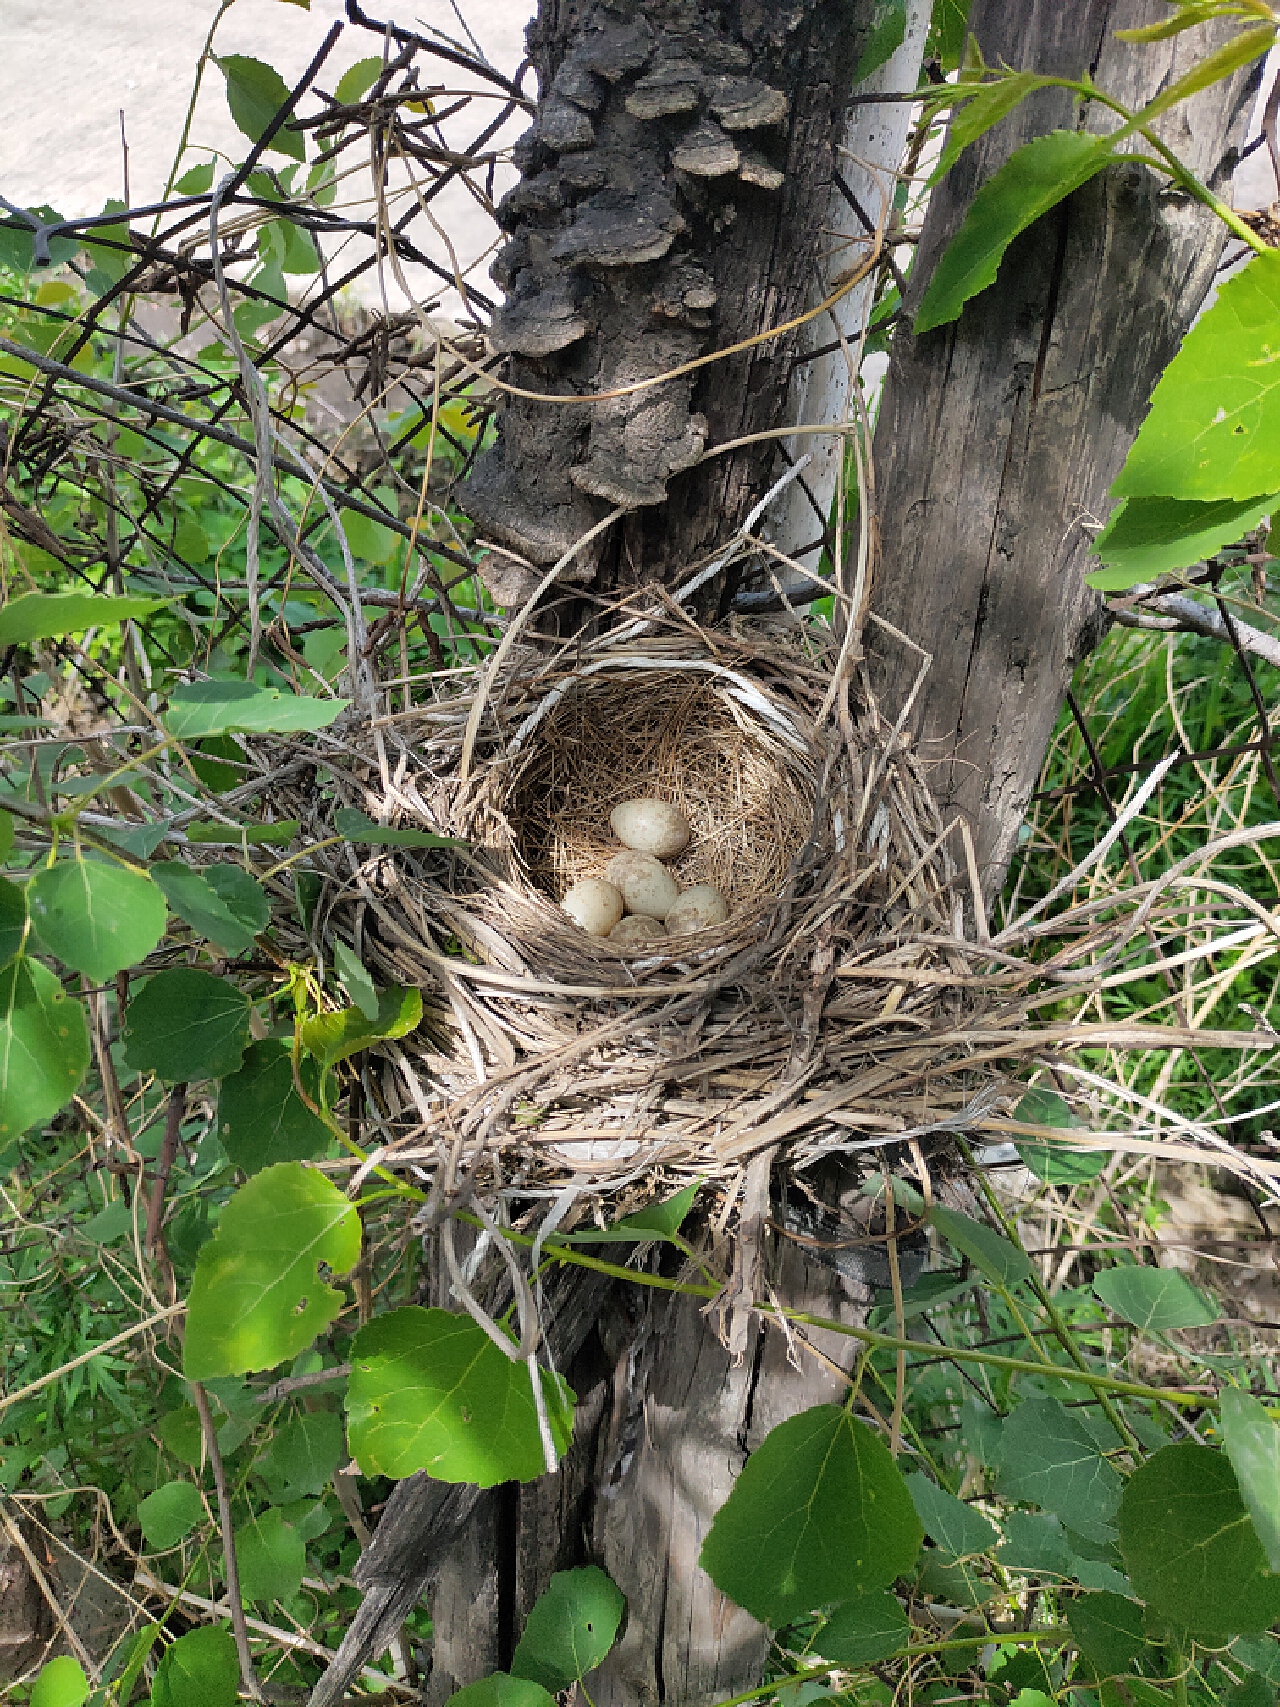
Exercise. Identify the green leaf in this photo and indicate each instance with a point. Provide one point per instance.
(355, 980)
(500, 1689)
(655, 1221)
(61, 1683)
(197, 182)
(108, 246)
(945, 41)
(1192, 1553)
(1034, 179)
(43, 616)
(231, 923)
(332, 1037)
(182, 1436)
(199, 1670)
(356, 79)
(304, 1455)
(570, 1629)
(1259, 1654)
(135, 1649)
(430, 1391)
(187, 1024)
(1048, 1458)
(1249, 45)
(13, 919)
(110, 1223)
(1035, 1543)
(245, 835)
(991, 1252)
(1109, 1630)
(255, 93)
(6, 833)
(262, 1119)
(1154, 1299)
(258, 1296)
(1213, 430)
(959, 1529)
(357, 827)
(984, 109)
(1055, 1164)
(888, 32)
(863, 1630)
(170, 1513)
(1185, 18)
(200, 709)
(1147, 537)
(1252, 1439)
(272, 1557)
(140, 840)
(819, 1513)
(96, 917)
(44, 1047)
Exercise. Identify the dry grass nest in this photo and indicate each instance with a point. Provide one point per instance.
(827, 1015)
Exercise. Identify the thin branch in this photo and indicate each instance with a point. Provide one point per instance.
(248, 1677)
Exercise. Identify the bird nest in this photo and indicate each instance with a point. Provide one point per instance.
(825, 1016)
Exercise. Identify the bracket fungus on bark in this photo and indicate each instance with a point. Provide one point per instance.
(660, 127)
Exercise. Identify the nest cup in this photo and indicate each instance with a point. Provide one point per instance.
(703, 738)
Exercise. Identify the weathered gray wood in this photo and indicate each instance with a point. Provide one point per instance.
(688, 1418)
(1000, 436)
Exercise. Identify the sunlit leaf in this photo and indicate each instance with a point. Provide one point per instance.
(1034, 179)
(355, 980)
(356, 79)
(187, 1024)
(255, 94)
(1154, 1299)
(654, 1221)
(44, 616)
(61, 1683)
(197, 182)
(332, 1037)
(1253, 1445)
(984, 109)
(819, 1513)
(262, 1119)
(1147, 537)
(44, 1047)
(258, 1296)
(430, 1391)
(1213, 430)
(1192, 1553)
(1212, 68)
(570, 1629)
(96, 916)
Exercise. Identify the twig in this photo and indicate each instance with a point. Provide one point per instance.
(168, 1151)
(248, 1677)
(1175, 612)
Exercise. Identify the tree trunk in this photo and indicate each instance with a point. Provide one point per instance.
(997, 441)
(672, 177)
(1000, 436)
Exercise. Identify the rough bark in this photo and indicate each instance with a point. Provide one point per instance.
(999, 436)
(667, 209)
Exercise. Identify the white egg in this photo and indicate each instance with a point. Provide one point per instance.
(637, 930)
(697, 909)
(646, 884)
(593, 904)
(650, 826)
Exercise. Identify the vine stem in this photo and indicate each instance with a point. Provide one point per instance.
(984, 1638)
(248, 1676)
(866, 1336)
